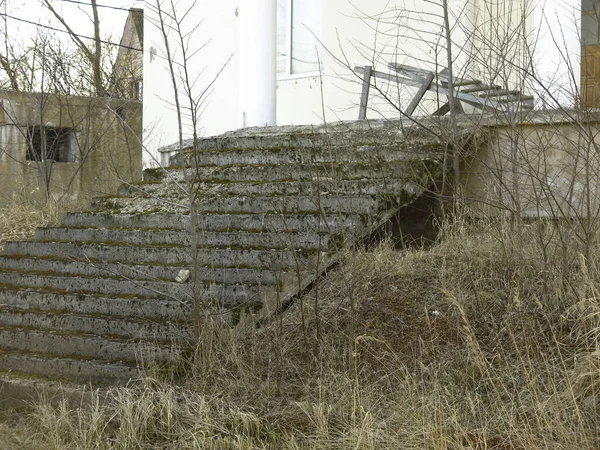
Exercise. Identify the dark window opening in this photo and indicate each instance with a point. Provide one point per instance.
(50, 144)
(135, 89)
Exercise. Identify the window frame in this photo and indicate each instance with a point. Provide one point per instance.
(595, 14)
(63, 136)
(288, 75)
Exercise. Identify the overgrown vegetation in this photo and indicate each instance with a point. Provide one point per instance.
(19, 221)
(481, 341)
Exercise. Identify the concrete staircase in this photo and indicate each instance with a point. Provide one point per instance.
(108, 290)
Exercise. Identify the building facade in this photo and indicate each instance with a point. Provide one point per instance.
(257, 62)
(67, 147)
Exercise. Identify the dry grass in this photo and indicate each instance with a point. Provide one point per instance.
(482, 341)
(19, 221)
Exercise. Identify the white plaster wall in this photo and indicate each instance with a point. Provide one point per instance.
(557, 53)
(299, 101)
(376, 32)
(502, 50)
(216, 29)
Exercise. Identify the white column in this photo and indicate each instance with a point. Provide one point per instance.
(557, 53)
(462, 14)
(258, 69)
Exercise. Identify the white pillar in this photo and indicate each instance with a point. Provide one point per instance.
(557, 53)
(258, 66)
(462, 14)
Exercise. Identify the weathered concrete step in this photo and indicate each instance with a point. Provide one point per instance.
(139, 236)
(126, 221)
(66, 266)
(142, 308)
(230, 295)
(396, 170)
(170, 255)
(274, 259)
(97, 372)
(111, 286)
(174, 237)
(223, 293)
(334, 223)
(342, 134)
(143, 186)
(284, 260)
(304, 155)
(166, 331)
(69, 266)
(326, 204)
(320, 187)
(83, 345)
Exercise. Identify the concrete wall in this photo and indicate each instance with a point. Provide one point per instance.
(107, 151)
(546, 166)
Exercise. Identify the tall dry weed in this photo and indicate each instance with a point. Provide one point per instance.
(19, 221)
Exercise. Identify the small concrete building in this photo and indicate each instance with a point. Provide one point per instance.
(67, 147)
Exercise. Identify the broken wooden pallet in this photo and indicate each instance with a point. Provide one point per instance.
(469, 91)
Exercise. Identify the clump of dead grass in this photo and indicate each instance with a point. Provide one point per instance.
(19, 221)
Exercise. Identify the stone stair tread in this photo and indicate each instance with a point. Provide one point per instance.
(329, 204)
(360, 150)
(10, 245)
(108, 276)
(340, 134)
(35, 367)
(402, 170)
(237, 292)
(222, 256)
(5, 351)
(61, 265)
(5, 328)
(11, 310)
(43, 299)
(98, 316)
(67, 259)
(213, 222)
(141, 328)
(323, 186)
(153, 230)
(84, 244)
(113, 278)
(83, 284)
(67, 266)
(84, 345)
(90, 236)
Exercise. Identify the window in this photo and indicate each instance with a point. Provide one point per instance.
(590, 54)
(298, 34)
(589, 22)
(135, 89)
(58, 143)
